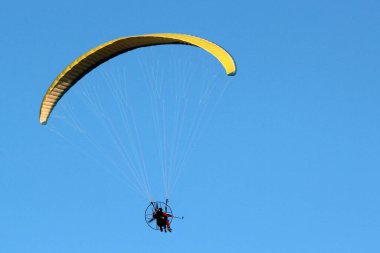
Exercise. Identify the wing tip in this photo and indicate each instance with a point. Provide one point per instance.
(232, 73)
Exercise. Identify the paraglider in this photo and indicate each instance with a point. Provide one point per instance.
(163, 217)
(159, 212)
(98, 55)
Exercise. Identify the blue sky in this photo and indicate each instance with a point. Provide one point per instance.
(289, 163)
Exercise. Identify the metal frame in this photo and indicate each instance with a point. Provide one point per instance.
(151, 209)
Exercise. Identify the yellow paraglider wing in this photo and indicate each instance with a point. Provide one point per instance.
(98, 55)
